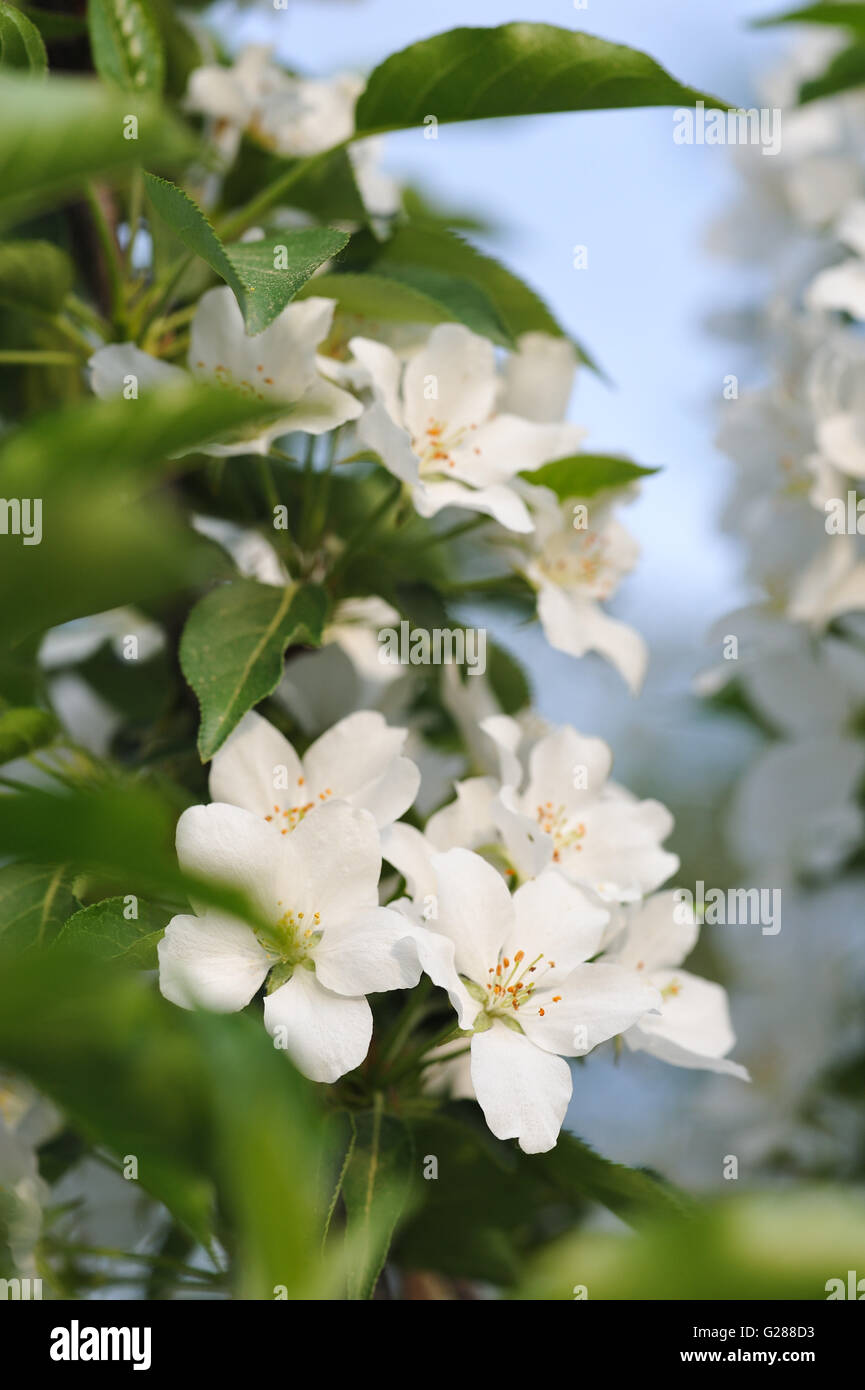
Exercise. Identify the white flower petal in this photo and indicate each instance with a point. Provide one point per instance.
(557, 920)
(462, 368)
(507, 446)
(597, 1002)
(497, 501)
(246, 769)
(661, 933)
(475, 911)
(212, 961)
(410, 852)
(567, 769)
(372, 952)
(229, 845)
(322, 407)
(693, 1028)
(339, 851)
(325, 1034)
(576, 626)
(110, 366)
(523, 1092)
(358, 760)
(467, 822)
(539, 377)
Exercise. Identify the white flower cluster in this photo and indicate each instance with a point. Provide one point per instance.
(798, 650)
(798, 445)
(532, 897)
(577, 954)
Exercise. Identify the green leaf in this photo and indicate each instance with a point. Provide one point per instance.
(35, 900)
(22, 731)
(125, 44)
(232, 648)
(512, 70)
(269, 1139)
(35, 275)
(415, 294)
(462, 1225)
(584, 475)
(850, 16)
(122, 833)
(21, 44)
(273, 270)
(102, 543)
(845, 71)
(634, 1194)
(186, 219)
(327, 187)
(441, 249)
(97, 438)
(54, 25)
(508, 679)
(123, 1065)
(375, 1190)
(56, 134)
(108, 931)
(264, 275)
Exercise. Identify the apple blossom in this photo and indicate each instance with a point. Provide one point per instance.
(692, 1026)
(329, 942)
(359, 760)
(523, 989)
(279, 365)
(435, 423)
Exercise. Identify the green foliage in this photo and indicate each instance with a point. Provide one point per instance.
(233, 644)
(415, 294)
(21, 44)
(22, 731)
(504, 1203)
(265, 275)
(513, 70)
(375, 1189)
(108, 930)
(107, 539)
(35, 899)
(846, 15)
(34, 274)
(54, 135)
(125, 43)
(845, 71)
(183, 1094)
(444, 250)
(585, 475)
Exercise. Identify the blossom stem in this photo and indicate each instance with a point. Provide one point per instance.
(238, 222)
(365, 528)
(136, 196)
(43, 358)
(443, 537)
(110, 252)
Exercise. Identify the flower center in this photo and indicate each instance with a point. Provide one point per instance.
(289, 944)
(565, 833)
(510, 988)
(288, 818)
(224, 376)
(580, 562)
(434, 446)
